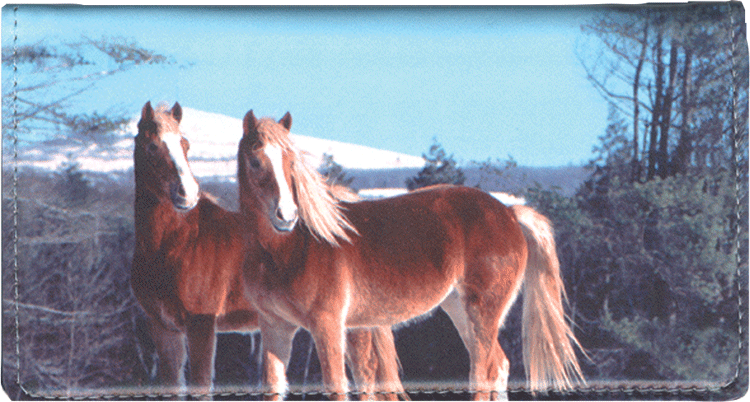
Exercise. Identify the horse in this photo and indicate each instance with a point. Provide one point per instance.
(187, 272)
(329, 265)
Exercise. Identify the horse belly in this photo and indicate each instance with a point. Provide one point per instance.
(390, 295)
(393, 311)
(238, 321)
(402, 268)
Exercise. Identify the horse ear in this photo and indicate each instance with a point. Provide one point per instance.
(176, 111)
(286, 121)
(249, 123)
(146, 124)
(147, 113)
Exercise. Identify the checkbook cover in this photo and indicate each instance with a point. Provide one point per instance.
(624, 127)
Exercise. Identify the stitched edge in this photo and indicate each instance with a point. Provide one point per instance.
(652, 391)
(738, 206)
(15, 199)
(676, 391)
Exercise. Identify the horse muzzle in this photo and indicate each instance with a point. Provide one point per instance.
(184, 203)
(182, 200)
(284, 220)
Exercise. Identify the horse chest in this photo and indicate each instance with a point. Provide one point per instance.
(298, 283)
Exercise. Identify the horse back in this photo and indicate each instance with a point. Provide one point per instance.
(433, 222)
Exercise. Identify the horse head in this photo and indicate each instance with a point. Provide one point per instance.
(264, 163)
(161, 157)
(278, 185)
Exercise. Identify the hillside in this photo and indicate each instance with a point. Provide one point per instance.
(214, 138)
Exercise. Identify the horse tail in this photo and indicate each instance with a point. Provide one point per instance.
(548, 341)
(389, 366)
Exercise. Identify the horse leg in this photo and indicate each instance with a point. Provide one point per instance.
(201, 337)
(478, 328)
(170, 349)
(329, 342)
(276, 343)
(362, 361)
(371, 355)
(389, 380)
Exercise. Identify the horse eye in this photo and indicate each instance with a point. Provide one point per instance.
(254, 163)
(152, 148)
(256, 146)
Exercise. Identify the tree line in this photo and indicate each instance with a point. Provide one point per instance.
(676, 78)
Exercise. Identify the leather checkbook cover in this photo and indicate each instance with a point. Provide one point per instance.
(375, 203)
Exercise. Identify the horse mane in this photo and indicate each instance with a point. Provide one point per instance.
(343, 193)
(317, 203)
(164, 120)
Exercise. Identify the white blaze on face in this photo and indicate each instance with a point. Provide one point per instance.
(286, 208)
(189, 184)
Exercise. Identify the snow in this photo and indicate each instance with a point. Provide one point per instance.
(508, 199)
(213, 150)
(216, 136)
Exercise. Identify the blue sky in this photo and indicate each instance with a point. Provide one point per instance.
(485, 82)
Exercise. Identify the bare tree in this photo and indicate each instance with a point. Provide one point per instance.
(669, 69)
(635, 171)
(56, 74)
(658, 103)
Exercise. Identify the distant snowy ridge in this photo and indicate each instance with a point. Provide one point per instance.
(216, 136)
(376, 193)
(213, 150)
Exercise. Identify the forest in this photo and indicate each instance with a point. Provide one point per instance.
(655, 241)
(653, 244)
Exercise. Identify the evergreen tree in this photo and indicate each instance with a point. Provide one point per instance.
(333, 172)
(440, 168)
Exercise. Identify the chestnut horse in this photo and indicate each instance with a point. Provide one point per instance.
(188, 264)
(329, 265)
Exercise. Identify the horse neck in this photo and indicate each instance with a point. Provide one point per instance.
(279, 246)
(284, 256)
(283, 245)
(148, 197)
(155, 216)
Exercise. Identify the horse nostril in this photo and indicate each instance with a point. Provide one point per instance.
(181, 191)
(286, 217)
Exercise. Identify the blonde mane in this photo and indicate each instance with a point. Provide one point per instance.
(343, 193)
(164, 120)
(317, 205)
